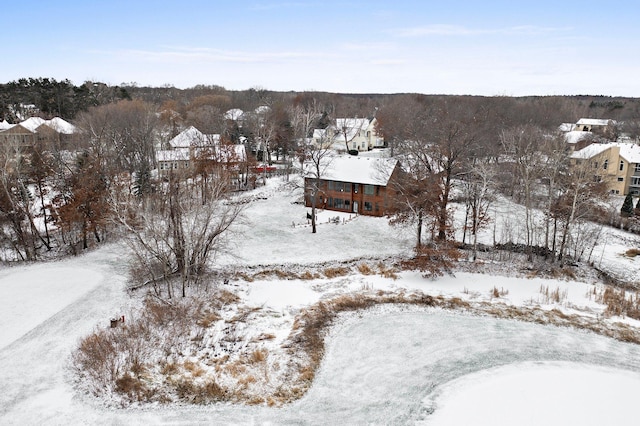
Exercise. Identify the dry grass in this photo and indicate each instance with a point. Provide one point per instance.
(258, 356)
(553, 296)
(632, 252)
(338, 271)
(208, 318)
(387, 272)
(194, 368)
(365, 269)
(169, 368)
(495, 293)
(620, 302)
(308, 276)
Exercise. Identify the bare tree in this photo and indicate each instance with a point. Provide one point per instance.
(317, 159)
(478, 190)
(522, 146)
(437, 144)
(173, 234)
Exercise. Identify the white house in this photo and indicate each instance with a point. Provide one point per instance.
(350, 134)
(192, 147)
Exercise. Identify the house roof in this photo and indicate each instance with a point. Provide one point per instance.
(576, 136)
(32, 123)
(192, 137)
(61, 126)
(356, 169)
(566, 127)
(594, 121)
(187, 138)
(233, 114)
(591, 151)
(629, 152)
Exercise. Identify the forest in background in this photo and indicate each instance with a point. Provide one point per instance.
(64, 99)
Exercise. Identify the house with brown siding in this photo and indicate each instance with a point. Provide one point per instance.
(36, 130)
(354, 184)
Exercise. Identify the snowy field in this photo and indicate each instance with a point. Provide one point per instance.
(390, 365)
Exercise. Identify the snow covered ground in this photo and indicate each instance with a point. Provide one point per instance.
(389, 365)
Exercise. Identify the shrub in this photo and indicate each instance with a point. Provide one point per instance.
(365, 269)
(338, 271)
(632, 252)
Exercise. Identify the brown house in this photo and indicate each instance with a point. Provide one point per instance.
(18, 136)
(354, 184)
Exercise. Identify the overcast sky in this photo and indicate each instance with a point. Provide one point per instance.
(512, 47)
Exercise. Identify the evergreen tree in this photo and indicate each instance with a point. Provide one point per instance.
(627, 206)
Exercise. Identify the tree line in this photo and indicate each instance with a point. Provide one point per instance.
(64, 197)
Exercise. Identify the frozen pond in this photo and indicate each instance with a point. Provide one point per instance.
(382, 368)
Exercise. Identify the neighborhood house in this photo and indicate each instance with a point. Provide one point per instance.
(350, 134)
(353, 184)
(192, 150)
(615, 164)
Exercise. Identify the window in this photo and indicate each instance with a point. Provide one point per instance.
(347, 187)
(595, 164)
(597, 178)
(330, 185)
(635, 181)
(620, 179)
(605, 164)
(621, 165)
(367, 206)
(330, 202)
(368, 189)
(355, 188)
(637, 167)
(338, 203)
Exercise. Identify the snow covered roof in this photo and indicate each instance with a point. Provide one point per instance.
(629, 152)
(262, 109)
(576, 136)
(32, 123)
(190, 137)
(566, 127)
(594, 122)
(233, 114)
(591, 151)
(61, 126)
(355, 169)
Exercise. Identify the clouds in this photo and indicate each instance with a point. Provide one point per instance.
(462, 31)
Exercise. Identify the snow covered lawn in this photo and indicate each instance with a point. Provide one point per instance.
(388, 365)
(31, 296)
